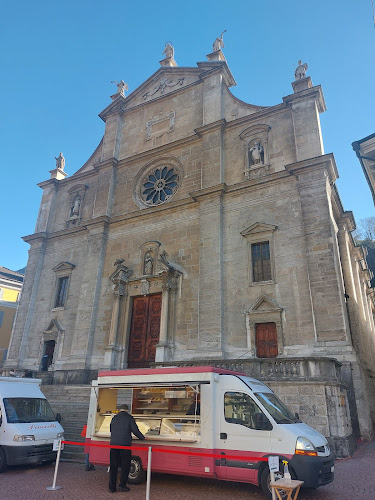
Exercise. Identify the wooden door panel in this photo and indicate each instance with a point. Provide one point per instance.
(145, 330)
(266, 340)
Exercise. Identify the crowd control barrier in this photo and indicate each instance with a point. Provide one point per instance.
(149, 456)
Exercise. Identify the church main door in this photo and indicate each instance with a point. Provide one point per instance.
(145, 330)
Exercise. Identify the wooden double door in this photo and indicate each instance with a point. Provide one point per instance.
(266, 340)
(144, 331)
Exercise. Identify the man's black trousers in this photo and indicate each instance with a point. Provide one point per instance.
(119, 458)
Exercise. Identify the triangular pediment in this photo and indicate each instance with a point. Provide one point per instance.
(258, 227)
(53, 327)
(263, 303)
(63, 266)
(163, 82)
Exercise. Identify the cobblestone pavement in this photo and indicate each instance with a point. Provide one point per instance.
(354, 479)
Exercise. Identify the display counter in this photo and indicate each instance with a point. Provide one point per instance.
(159, 428)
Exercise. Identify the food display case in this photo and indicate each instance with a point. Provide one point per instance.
(161, 413)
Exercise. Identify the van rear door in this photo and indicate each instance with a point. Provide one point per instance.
(243, 430)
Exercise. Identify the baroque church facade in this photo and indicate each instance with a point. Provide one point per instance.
(205, 230)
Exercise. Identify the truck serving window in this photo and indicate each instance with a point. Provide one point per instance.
(240, 409)
(279, 412)
(28, 410)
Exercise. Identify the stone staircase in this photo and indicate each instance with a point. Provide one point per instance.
(72, 402)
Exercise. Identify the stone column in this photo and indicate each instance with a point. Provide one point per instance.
(120, 279)
(163, 348)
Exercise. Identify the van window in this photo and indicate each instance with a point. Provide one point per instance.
(278, 411)
(27, 410)
(240, 409)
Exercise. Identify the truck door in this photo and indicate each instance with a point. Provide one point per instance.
(244, 430)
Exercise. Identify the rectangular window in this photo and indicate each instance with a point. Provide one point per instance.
(62, 288)
(260, 253)
(240, 409)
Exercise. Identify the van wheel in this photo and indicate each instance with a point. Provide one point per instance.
(265, 481)
(136, 475)
(3, 460)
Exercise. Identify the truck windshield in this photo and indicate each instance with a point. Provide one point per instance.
(278, 411)
(27, 410)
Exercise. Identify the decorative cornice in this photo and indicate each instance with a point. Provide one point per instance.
(220, 124)
(314, 92)
(319, 162)
(219, 189)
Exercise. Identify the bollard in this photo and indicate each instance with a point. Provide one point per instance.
(148, 484)
(54, 487)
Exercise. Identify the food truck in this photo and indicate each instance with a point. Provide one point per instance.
(28, 426)
(204, 410)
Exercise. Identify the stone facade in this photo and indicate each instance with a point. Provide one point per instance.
(185, 185)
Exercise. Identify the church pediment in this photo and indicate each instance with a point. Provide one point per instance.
(53, 327)
(63, 266)
(263, 303)
(257, 228)
(165, 81)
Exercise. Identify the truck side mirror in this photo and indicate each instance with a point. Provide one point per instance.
(58, 417)
(262, 423)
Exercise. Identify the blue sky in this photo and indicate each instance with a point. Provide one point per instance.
(59, 57)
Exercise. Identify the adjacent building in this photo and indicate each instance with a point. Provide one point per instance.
(365, 151)
(204, 229)
(10, 289)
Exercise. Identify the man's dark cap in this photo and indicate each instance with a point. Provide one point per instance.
(123, 407)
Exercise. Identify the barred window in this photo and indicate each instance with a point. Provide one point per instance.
(261, 261)
(62, 288)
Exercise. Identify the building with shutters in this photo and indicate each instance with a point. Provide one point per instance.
(204, 229)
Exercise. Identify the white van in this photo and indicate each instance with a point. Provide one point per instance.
(207, 410)
(28, 426)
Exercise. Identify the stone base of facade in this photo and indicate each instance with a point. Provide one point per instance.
(342, 447)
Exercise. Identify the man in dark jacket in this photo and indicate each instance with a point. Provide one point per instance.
(122, 427)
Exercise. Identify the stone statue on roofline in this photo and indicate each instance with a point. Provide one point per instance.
(169, 50)
(300, 72)
(218, 43)
(60, 161)
(121, 87)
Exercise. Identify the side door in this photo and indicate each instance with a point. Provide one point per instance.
(244, 431)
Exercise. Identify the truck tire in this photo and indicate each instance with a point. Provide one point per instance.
(3, 460)
(265, 480)
(136, 475)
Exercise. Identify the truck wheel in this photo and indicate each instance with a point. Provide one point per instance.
(265, 481)
(136, 475)
(3, 460)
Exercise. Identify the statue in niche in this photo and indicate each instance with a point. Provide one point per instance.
(148, 264)
(256, 154)
(121, 87)
(60, 161)
(300, 72)
(169, 50)
(76, 204)
(218, 43)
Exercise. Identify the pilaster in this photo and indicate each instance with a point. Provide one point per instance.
(211, 297)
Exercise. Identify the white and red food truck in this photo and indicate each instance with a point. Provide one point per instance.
(206, 410)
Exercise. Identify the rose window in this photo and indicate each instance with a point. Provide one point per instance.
(159, 185)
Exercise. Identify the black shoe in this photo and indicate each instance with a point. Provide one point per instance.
(91, 467)
(111, 491)
(123, 488)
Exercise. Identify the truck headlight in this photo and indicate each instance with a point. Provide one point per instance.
(60, 435)
(305, 447)
(29, 437)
